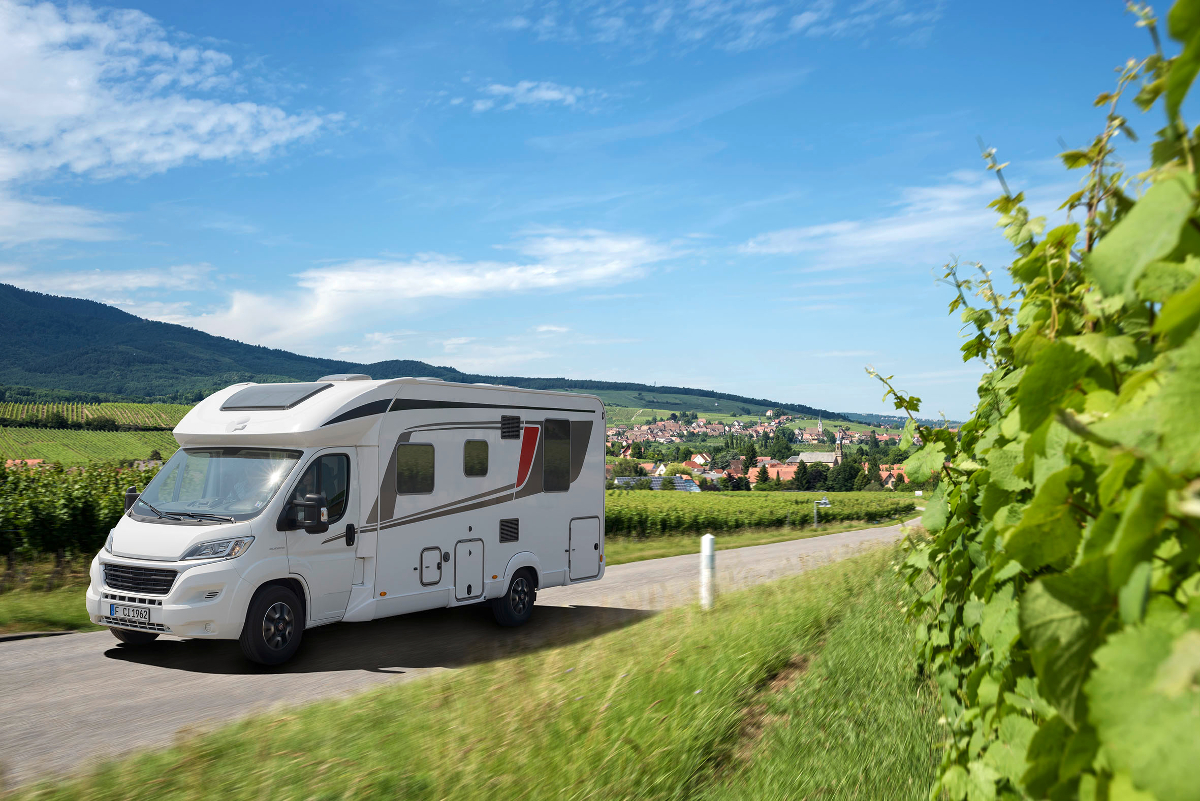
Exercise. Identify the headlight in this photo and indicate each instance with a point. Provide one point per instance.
(108, 542)
(218, 549)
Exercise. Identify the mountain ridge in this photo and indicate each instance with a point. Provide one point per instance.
(127, 356)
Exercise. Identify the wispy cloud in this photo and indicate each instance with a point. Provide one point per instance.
(680, 116)
(931, 222)
(359, 293)
(104, 93)
(531, 93)
(109, 286)
(24, 220)
(732, 25)
(552, 329)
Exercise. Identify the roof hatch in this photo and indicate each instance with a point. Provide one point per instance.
(271, 397)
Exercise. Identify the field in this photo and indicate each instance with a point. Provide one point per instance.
(803, 688)
(142, 415)
(72, 447)
(655, 514)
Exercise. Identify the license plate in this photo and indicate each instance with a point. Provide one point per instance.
(121, 612)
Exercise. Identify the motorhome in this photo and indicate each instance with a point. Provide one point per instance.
(294, 505)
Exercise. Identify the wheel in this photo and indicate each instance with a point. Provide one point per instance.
(134, 637)
(274, 625)
(516, 606)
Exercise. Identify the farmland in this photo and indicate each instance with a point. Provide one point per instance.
(655, 514)
(134, 415)
(71, 447)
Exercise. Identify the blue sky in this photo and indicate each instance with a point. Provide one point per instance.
(753, 196)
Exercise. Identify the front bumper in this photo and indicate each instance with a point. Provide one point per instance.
(207, 600)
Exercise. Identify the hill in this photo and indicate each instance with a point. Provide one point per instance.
(59, 348)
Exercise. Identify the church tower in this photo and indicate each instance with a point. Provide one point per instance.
(837, 450)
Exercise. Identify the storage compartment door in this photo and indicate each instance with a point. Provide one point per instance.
(431, 567)
(468, 569)
(585, 547)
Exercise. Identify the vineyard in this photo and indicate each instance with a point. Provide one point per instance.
(654, 514)
(69, 447)
(134, 415)
(56, 511)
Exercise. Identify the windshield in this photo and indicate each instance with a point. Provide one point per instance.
(215, 483)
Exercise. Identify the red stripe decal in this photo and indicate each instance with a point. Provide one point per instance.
(529, 438)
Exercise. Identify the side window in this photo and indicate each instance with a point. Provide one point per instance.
(475, 457)
(414, 469)
(329, 474)
(556, 456)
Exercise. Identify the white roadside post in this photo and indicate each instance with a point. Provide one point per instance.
(708, 569)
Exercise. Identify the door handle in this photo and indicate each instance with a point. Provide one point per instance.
(350, 534)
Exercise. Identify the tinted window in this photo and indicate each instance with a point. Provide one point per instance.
(475, 457)
(329, 474)
(556, 456)
(414, 469)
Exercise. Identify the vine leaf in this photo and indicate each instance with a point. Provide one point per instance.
(925, 461)
(1148, 232)
(1048, 532)
(1054, 372)
(1144, 702)
(1063, 619)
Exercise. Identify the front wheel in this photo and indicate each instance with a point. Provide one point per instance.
(129, 637)
(516, 606)
(274, 625)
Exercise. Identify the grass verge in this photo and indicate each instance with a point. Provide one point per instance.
(621, 550)
(44, 610)
(657, 710)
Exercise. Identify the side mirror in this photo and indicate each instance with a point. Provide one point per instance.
(312, 513)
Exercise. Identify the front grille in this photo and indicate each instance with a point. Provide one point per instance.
(510, 426)
(129, 599)
(510, 530)
(147, 580)
(122, 623)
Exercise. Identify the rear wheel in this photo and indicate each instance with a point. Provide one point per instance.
(515, 607)
(274, 625)
(134, 637)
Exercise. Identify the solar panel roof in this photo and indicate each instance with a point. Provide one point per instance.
(271, 396)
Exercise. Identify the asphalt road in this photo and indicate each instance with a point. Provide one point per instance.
(65, 701)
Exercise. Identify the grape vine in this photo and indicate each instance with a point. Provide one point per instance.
(1057, 593)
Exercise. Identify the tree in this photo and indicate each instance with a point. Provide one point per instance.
(155, 456)
(751, 455)
(781, 445)
(763, 475)
(860, 482)
(636, 450)
(627, 468)
(667, 483)
(874, 442)
(818, 476)
(799, 480)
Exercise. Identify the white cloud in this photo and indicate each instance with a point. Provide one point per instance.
(932, 221)
(35, 220)
(531, 93)
(552, 329)
(103, 93)
(358, 293)
(109, 286)
(733, 25)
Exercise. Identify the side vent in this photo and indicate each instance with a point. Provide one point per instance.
(510, 530)
(510, 426)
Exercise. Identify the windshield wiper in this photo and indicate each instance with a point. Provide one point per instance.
(206, 516)
(160, 515)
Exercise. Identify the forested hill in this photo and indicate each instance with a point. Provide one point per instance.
(87, 348)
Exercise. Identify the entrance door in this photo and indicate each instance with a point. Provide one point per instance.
(468, 569)
(325, 561)
(585, 547)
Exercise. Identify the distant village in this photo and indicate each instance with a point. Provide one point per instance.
(694, 454)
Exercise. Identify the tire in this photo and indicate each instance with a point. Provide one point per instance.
(274, 626)
(515, 607)
(129, 637)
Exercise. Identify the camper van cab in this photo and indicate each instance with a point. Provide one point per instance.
(289, 506)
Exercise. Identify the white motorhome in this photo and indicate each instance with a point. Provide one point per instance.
(289, 506)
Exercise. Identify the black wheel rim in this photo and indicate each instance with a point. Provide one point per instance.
(278, 625)
(519, 595)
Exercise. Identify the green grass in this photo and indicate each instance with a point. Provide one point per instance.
(656, 710)
(147, 415)
(44, 610)
(621, 550)
(80, 447)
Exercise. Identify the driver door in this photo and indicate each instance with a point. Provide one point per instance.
(325, 561)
